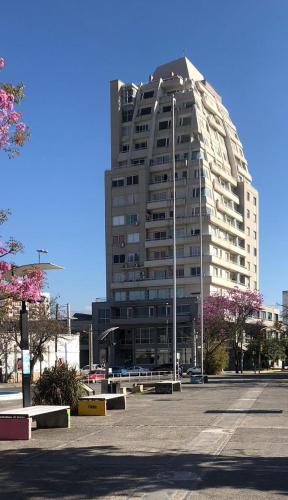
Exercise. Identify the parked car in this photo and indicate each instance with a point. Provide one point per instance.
(166, 367)
(193, 370)
(85, 369)
(137, 370)
(95, 375)
(117, 371)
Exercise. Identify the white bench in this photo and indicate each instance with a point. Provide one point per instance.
(16, 423)
(100, 403)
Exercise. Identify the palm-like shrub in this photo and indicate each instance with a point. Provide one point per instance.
(59, 385)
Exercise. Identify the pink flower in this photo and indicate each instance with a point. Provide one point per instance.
(21, 127)
(13, 117)
(2, 63)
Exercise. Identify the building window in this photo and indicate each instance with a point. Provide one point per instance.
(140, 145)
(161, 196)
(124, 148)
(132, 219)
(254, 235)
(166, 109)
(163, 143)
(136, 295)
(143, 336)
(118, 201)
(142, 128)
(255, 252)
(195, 232)
(159, 216)
(118, 277)
(160, 275)
(164, 125)
(195, 155)
(120, 296)
(118, 240)
(125, 130)
(248, 248)
(189, 104)
(159, 293)
(160, 235)
(118, 182)
(160, 254)
(254, 201)
(183, 139)
(180, 232)
(127, 115)
(255, 217)
(185, 121)
(133, 237)
(148, 94)
(132, 179)
(194, 251)
(195, 271)
(145, 111)
(248, 196)
(248, 214)
(248, 231)
(119, 259)
(138, 161)
(118, 220)
(204, 192)
(159, 178)
(133, 257)
(180, 273)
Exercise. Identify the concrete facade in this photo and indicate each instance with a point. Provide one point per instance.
(139, 205)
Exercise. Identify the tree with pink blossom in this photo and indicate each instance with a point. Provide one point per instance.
(13, 132)
(225, 319)
(27, 287)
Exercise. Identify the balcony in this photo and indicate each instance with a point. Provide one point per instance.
(230, 228)
(154, 186)
(154, 204)
(229, 211)
(223, 172)
(228, 245)
(226, 192)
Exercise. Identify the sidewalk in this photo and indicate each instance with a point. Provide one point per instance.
(222, 440)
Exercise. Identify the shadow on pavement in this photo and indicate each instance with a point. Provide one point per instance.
(240, 410)
(94, 472)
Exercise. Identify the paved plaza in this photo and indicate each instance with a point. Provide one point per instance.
(227, 439)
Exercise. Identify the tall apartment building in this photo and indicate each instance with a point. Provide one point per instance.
(139, 211)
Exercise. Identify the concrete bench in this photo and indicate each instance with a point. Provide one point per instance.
(16, 423)
(100, 403)
(167, 386)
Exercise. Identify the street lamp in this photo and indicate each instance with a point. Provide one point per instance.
(24, 343)
(41, 250)
(200, 157)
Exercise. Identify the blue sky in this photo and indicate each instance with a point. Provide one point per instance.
(67, 51)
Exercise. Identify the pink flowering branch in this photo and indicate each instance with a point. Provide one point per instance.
(26, 287)
(13, 132)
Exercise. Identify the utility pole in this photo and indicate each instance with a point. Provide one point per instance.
(56, 338)
(90, 344)
(174, 336)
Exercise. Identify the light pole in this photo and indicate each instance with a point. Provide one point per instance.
(41, 250)
(174, 341)
(200, 157)
(167, 330)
